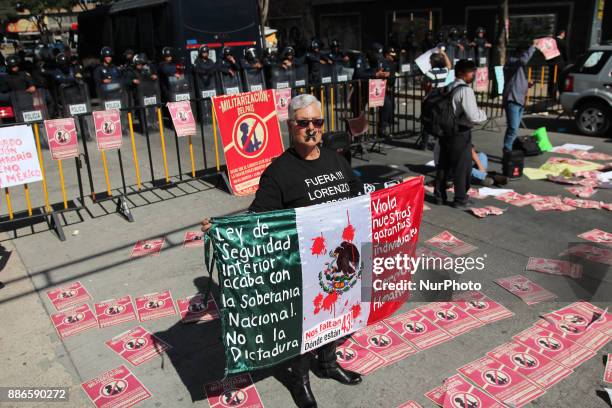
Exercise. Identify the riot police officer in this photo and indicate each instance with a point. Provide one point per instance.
(65, 73)
(454, 48)
(106, 72)
(140, 70)
(128, 54)
(16, 80)
(250, 60)
(337, 54)
(464, 41)
(315, 58)
(205, 69)
(167, 69)
(387, 69)
(228, 64)
(481, 47)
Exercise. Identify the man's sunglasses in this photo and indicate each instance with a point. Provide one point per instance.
(303, 123)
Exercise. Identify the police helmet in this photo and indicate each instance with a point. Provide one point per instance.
(250, 53)
(12, 61)
(334, 43)
(166, 52)
(480, 30)
(288, 51)
(106, 52)
(454, 31)
(139, 59)
(61, 58)
(315, 44)
(203, 48)
(226, 51)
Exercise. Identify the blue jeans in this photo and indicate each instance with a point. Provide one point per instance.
(477, 174)
(514, 112)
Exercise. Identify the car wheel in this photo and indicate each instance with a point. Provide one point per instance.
(593, 118)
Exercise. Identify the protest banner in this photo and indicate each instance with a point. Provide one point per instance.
(293, 280)
(74, 321)
(250, 134)
(108, 129)
(115, 311)
(482, 79)
(376, 95)
(548, 47)
(68, 296)
(116, 388)
(18, 157)
(137, 345)
(282, 97)
(62, 137)
(182, 118)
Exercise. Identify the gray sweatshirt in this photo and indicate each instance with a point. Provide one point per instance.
(516, 84)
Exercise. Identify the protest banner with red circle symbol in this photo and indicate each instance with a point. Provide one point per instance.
(108, 129)
(182, 118)
(62, 137)
(115, 311)
(68, 296)
(155, 305)
(250, 134)
(116, 388)
(482, 79)
(137, 345)
(377, 93)
(74, 321)
(238, 391)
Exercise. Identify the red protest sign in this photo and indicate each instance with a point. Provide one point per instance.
(74, 321)
(250, 134)
(18, 157)
(68, 296)
(376, 93)
(62, 137)
(182, 118)
(137, 345)
(116, 388)
(548, 47)
(155, 305)
(282, 97)
(482, 79)
(108, 129)
(115, 311)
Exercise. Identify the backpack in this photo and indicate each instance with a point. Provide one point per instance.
(437, 114)
(528, 144)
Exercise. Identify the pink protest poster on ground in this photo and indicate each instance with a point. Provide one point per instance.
(137, 345)
(482, 79)
(193, 309)
(548, 47)
(506, 385)
(352, 356)
(108, 129)
(155, 305)
(147, 247)
(62, 137)
(68, 296)
(376, 93)
(542, 370)
(182, 118)
(74, 321)
(450, 317)
(456, 392)
(115, 311)
(282, 97)
(116, 388)
(418, 330)
(481, 307)
(193, 239)
(571, 324)
(383, 341)
(18, 156)
(238, 391)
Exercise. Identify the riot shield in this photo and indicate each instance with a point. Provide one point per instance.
(29, 107)
(74, 98)
(300, 75)
(343, 73)
(253, 79)
(280, 78)
(230, 84)
(147, 93)
(180, 89)
(327, 74)
(206, 85)
(112, 96)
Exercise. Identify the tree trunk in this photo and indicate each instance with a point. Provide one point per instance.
(503, 22)
(263, 11)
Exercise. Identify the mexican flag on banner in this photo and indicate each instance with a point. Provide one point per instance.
(293, 280)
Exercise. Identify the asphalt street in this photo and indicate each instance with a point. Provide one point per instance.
(97, 253)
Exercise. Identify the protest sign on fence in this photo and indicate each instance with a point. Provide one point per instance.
(62, 137)
(108, 129)
(283, 97)
(548, 47)
(18, 157)
(377, 93)
(250, 134)
(482, 79)
(182, 118)
(293, 280)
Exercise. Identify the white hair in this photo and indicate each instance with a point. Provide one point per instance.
(300, 102)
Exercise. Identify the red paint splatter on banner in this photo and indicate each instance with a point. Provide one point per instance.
(356, 310)
(317, 301)
(330, 301)
(349, 231)
(318, 245)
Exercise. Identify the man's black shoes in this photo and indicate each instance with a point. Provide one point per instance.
(339, 374)
(301, 392)
(462, 205)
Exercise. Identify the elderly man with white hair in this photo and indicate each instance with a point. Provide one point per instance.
(306, 174)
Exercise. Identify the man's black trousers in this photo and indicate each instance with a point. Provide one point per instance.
(456, 161)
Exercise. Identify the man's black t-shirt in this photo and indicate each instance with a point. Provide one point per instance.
(291, 182)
